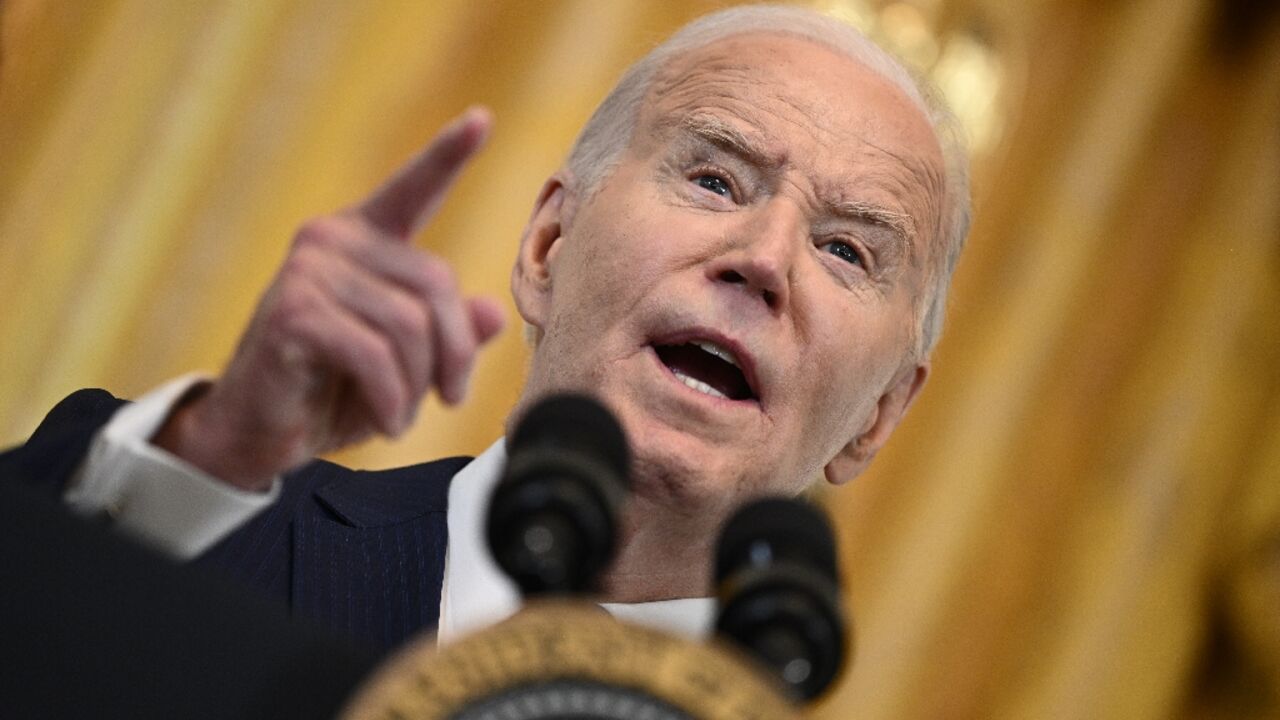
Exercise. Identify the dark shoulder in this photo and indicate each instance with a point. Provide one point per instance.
(91, 406)
(55, 449)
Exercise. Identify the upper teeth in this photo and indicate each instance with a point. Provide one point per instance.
(719, 352)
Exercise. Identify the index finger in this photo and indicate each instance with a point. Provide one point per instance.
(404, 203)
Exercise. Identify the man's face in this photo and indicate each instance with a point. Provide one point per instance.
(774, 208)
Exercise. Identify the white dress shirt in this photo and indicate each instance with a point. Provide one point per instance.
(178, 509)
(152, 495)
(477, 593)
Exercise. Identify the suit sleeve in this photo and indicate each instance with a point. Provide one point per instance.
(146, 493)
(49, 458)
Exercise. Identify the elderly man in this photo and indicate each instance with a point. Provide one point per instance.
(745, 257)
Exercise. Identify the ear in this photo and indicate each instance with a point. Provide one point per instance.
(854, 457)
(531, 276)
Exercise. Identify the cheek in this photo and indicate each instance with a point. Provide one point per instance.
(841, 377)
(841, 396)
(601, 275)
(611, 269)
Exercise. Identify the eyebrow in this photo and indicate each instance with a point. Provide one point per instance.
(716, 131)
(902, 225)
(729, 138)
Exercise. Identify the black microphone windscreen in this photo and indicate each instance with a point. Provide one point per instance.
(779, 592)
(770, 530)
(575, 423)
(552, 522)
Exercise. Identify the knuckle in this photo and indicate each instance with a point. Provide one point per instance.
(368, 358)
(437, 276)
(380, 367)
(409, 319)
(295, 295)
(290, 311)
(298, 263)
(379, 351)
(310, 233)
(323, 232)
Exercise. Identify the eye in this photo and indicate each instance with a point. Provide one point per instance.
(715, 184)
(842, 250)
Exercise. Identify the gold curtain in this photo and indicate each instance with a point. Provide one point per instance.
(1081, 516)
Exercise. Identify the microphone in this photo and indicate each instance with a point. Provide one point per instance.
(553, 518)
(778, 590)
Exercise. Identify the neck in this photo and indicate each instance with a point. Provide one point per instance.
(662, 555)
(658, 558)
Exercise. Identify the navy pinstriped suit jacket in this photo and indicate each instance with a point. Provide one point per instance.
(361, 552)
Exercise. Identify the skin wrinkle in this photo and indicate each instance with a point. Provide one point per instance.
(648, 252)
(929, 177)
(806, 121)
(711, 128)
(598, 148)
(924, 175)
(756, 150)
(902, 225)
(759, 152)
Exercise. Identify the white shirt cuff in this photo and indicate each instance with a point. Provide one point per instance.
(153, 495)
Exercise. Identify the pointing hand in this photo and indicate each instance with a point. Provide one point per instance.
(356, 327)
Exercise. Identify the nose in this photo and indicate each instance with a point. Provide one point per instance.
(762, 253)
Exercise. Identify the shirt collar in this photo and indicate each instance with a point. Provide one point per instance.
(476, 593)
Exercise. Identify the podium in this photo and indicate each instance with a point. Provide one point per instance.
(557, 659)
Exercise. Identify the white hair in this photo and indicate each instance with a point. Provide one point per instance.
(607, 133)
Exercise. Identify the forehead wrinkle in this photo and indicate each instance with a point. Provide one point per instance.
(925, 174)
(718, 83)
(675, 82)
(720, 133)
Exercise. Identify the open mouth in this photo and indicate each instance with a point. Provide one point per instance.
(708, 368)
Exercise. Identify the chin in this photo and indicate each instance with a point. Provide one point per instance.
(682, 472)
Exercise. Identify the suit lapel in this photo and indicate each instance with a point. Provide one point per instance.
(370, 561)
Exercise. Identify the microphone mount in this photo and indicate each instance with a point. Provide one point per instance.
(553, 517)
(778, 589)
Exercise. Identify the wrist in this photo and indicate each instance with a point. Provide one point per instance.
(190, 434)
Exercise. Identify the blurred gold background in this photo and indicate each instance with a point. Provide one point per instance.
(1081, 516)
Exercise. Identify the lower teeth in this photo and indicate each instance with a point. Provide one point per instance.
(698, 385)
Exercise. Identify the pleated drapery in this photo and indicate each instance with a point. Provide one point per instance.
(1080, 517)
